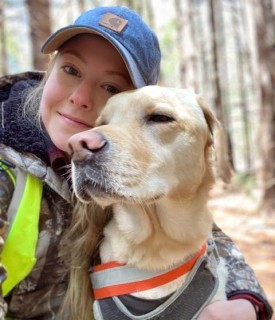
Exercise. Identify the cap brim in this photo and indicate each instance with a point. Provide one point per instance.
(61, 36)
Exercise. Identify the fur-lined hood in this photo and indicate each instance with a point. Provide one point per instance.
(16, 130)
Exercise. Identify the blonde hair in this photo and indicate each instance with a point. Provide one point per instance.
(32, 97)
(80, 251)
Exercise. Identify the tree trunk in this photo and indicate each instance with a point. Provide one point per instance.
(81, 5)
(179, 43)
(204, 69)
(194, 37)
(40, 28)
(185, 44)
(265, 20)
(3, 60)
(241, 61)
(150, 14)
(219, 70)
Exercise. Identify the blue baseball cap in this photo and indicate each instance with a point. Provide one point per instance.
(126, 31)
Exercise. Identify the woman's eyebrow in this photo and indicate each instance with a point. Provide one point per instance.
(74, 53)
(120, 74)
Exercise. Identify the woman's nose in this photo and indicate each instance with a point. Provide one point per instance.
(82, 96)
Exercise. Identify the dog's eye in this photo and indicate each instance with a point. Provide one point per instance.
(160, 118)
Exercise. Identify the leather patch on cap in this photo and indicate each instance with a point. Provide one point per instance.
(113, 22)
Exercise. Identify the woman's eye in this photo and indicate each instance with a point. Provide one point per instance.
(70, 70)
(160, 118)
(111, 89)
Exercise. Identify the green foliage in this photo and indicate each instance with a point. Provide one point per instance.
(14, 53)
(245, 181)
(170, 68)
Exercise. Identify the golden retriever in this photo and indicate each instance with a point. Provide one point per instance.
(152, 158)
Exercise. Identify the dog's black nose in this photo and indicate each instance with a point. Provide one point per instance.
(86, 142)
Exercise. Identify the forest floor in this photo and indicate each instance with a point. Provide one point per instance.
(235, 210)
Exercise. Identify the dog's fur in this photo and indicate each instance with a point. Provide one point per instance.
(151, 156)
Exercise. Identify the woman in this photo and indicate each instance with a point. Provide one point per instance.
(106, 51)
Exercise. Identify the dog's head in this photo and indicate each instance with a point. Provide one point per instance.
(149, 143)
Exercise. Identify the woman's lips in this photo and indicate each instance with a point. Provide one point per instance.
(75, 121)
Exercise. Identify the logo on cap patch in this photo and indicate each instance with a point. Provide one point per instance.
(113, 22)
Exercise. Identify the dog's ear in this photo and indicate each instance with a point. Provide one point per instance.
(218, 139)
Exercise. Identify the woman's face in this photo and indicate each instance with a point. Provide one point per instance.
(87, 72)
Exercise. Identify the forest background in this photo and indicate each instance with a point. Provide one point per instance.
(222, 49)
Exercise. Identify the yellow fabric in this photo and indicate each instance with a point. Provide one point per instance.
(9, 171)
(11, 175)
(18, 255)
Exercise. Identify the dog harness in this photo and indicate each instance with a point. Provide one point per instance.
(113, 283)
(18, 255)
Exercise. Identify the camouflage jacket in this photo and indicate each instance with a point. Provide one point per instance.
(40, 294)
